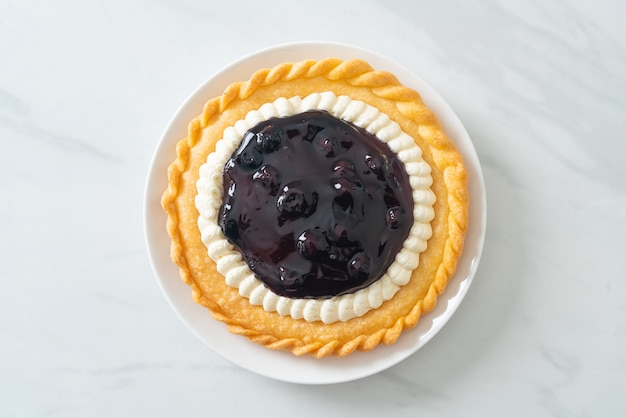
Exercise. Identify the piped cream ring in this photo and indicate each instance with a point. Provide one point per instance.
(230, 262)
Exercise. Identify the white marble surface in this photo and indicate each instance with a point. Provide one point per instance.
(86, 89)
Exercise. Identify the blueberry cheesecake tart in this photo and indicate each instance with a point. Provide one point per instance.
(317, 207)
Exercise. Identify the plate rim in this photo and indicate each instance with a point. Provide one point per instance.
(327, 370)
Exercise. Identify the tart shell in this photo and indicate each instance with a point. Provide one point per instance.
(437, 264)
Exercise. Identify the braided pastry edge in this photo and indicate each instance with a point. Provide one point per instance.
(357, 73)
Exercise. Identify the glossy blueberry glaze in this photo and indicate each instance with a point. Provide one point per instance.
(317, 206)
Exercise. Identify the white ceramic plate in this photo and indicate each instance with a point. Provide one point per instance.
(281, 365)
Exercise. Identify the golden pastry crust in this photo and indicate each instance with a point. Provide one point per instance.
(356, 79)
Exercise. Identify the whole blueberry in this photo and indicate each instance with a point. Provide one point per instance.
(293, 201)
(359, 266)
(327, 146)
(376, 163)
(249, 157)
(312, 243)
(343, 168)
(267, 142)
(395, 216)
(268, 177)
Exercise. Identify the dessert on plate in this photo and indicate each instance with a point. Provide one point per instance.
(317, 207)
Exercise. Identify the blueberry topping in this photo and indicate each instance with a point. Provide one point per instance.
(317, 206)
